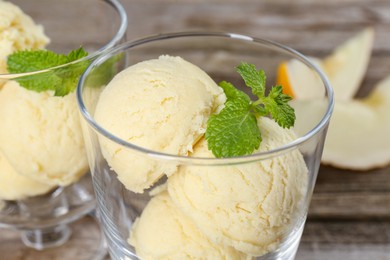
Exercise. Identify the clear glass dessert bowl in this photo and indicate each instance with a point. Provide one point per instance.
(156, 204)
(45, 181)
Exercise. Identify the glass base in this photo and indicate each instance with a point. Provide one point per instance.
(44, 220)
(85, 242)
(40, 239)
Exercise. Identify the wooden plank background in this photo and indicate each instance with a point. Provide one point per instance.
(349, 216)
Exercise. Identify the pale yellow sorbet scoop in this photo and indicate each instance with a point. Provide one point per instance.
(41, 135)
(249, 206)
(161, 104)
(164, 232)
(14, 186)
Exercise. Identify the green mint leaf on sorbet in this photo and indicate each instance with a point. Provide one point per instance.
(102, 74)
(253, 78)
(61, 80)
(277, 104)
(234, 130)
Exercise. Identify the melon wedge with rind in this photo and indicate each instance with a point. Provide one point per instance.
(345, 68)
(358, 136)
(299, 80)
(358, 133)
(347, 65)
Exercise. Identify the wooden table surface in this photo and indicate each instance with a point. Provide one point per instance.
(349, 215)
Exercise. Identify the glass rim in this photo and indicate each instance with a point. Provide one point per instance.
(206, 160)
(118, 7)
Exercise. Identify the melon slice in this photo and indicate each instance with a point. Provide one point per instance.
(345, 69)
(347, 65)
(299, 81)
(358, 132)
(357, 137)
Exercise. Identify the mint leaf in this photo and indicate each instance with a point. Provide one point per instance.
(255, 79)
(234, 130)
(235, 127)
(275, 104)
(76, 54)
(103, 73)
(232, 93)
(280, 110)
(62, 80)
(27, 61)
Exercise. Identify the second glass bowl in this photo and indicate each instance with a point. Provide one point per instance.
(46, 141)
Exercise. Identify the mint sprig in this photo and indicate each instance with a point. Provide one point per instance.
(61, 80)
(102, 74)
(234, 130)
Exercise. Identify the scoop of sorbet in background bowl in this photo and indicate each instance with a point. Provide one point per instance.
(161, 192)
(44, 173)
